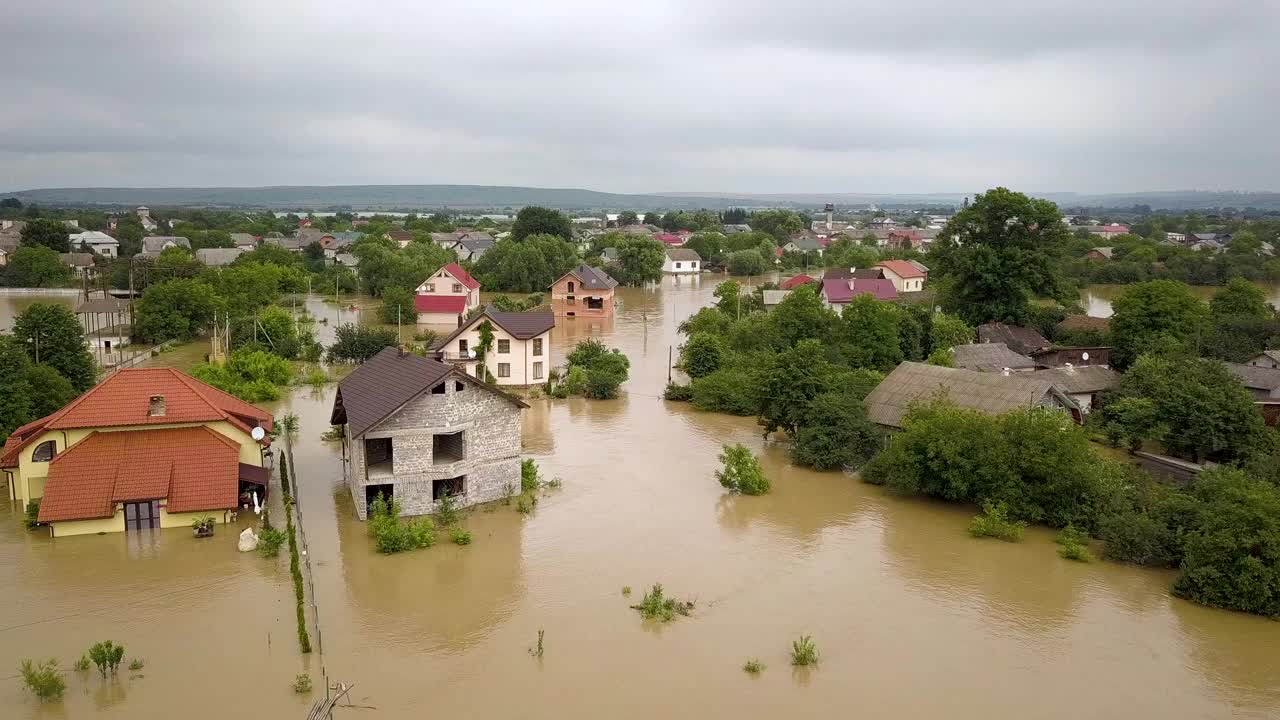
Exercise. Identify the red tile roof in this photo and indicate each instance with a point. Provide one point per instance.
(902, 268)
(124, 399)
(195, 468)
(456, 304)
(462, 276)
(18, 438)
(1113, 228)
(842, 291)
(795, 282)
(669, 239)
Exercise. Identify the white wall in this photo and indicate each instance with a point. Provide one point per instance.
(520, 356)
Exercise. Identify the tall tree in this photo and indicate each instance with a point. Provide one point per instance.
(868, 332)
(534, 220)
(627, 217)
(639, 261)
(175, 310)
(54, 337)
(998, 253)
(16, 405)
(36, 267)
(47, 232)
(1160, 316)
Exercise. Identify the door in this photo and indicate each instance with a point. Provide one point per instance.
(142, 515)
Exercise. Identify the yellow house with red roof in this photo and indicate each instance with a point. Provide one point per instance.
(145, 448)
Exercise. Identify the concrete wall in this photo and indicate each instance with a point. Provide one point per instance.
(491, 432)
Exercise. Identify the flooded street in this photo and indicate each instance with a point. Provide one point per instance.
(911, 617)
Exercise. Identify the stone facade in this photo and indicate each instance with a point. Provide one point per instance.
(490, 427)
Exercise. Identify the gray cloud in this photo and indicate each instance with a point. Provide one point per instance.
(750, 96)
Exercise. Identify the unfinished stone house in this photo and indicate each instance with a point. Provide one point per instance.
(416, 429)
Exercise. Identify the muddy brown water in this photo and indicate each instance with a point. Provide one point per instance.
(911, 617)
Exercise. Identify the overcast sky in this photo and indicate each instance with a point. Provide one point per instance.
(644, 96)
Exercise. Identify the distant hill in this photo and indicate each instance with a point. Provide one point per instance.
(465, 197)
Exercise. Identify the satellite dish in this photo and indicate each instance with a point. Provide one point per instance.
(471, 354)
(257, 433)
(1084, 355)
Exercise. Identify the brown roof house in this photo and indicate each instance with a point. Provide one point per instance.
(1263, 382)
(417, 429)
(991, 393)
(521, 352)
(1022, 340)
(1081, 384)
(990, 357)
(584, 291)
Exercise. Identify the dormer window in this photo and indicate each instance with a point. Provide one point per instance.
(156, 407)
(45, 451)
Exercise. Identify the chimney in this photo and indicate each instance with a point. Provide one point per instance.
(402, 350)
(1070, 368)
(156, 407)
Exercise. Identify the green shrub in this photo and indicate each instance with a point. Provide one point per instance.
(703, 354)
(31, 519)
(295, 571)
(82, 665)
(994, 522)
(44, 679)
(302, 683)
(626, 591)
(677, 393)
(804, 651)
(1138, 538)
(657, 606)
(137, 664)
(528, 475)
(741, 471)
(460, 536)
(1075, 551)
(753, 667)
(391, 534)
(106, 655)
(269, 541)
(524, 505)
(447, 511)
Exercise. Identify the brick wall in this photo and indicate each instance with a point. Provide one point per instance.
(491, 436)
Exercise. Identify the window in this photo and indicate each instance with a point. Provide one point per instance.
(462, 346)
(537, 347)
(450, 486)
(457, 288)
(45, 451)
(504, 346)
(537, 371)
(572, 300)
(571, 287)
(595, 303)
(447, 448)
(431, 287)
(438, 390)
(677, 266)
(504, 370)
(459, 386)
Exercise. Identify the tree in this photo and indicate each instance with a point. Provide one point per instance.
(800, 316)
(397, 306)
(835, 433)
(1199, 409)
(534, 220)
(528, 266)
(36, 266)
(53, 336)
(734, 216)
(781, 224)
(653, 218)
(175, 310)
(605, 369)
(47, 233)
(708, 245)
(741, 471)
(640, 261)
(1241, 297)
(868, 331)
(1231, 557)
(729, 298)
(745, 262)
(16, 404)
(796, 376)
(627, 217)
(54, 390)
(1157, 316)
(702, 355)
(947, 331)
(357, 343)
(129, 232)
(998, 253)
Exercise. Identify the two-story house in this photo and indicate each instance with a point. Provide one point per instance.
(418, 429)
(906, 275)
(521, 351)
(584, 291)
(146, 448)
(447, 296)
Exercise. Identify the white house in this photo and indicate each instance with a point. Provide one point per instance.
(521, 351)
(682, 260)
(907, 276)
(96, 242)
(153, 246)
(447, 296)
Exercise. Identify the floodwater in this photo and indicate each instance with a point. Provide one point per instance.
(912, 618)
(1096, 299)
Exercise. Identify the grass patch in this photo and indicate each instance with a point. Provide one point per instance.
(30, 520)
(538, 649)
(753, 667)
(525, 504)
(804, 651)
(626, 591)
(460, 536)
(1075, 544)
(107, 656)
(657, 606)
(44, 679)
(446, 511)
(994, 522)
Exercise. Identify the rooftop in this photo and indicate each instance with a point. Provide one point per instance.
(842, 291)
(901, 268)
(1084, 379)
(461, 276)
(592, 278)
(990, 357)
(990, 393)
(1019, 339)
(683, 254)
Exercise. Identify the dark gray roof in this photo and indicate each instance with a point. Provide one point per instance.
(990, 393)
(990, 357)
(593, 278)
(218, 257)
(1083, 379)
(1019, 339)
(385, 382)
(871, 273)
(683, 254)
(77, 259)
(1255, 378)
(156, 244)
(522, 325)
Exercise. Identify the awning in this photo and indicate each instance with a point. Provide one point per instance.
(254, 474)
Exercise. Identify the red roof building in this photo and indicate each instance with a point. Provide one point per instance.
(446, 297)
(463, 276)
(839, 292)
(669, 239)
(451, 304)
(794, 282)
